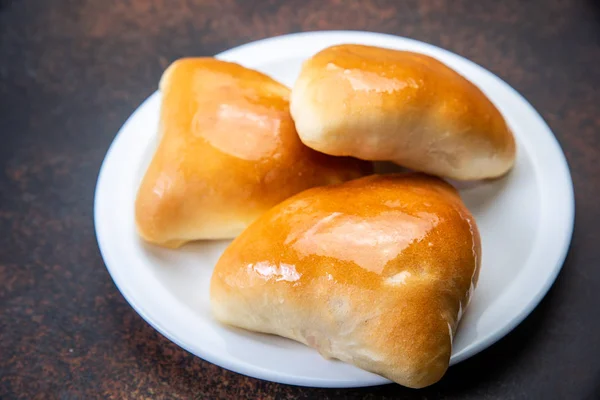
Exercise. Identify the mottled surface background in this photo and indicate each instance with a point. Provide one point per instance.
(72, 71)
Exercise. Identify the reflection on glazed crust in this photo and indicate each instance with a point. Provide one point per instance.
(228, 152)
(375, 272)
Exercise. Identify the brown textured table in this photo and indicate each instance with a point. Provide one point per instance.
(72, 71)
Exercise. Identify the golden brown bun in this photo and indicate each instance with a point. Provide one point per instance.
(388, 105)
(375, 272)
(228, 152)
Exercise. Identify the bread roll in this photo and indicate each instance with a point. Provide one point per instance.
(228, 152)
(375, 272)
(409, 108)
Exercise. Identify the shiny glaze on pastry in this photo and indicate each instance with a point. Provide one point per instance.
(228, 151)
(389, 105)
(375, 272)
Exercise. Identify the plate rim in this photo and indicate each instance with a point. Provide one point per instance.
(568, 220)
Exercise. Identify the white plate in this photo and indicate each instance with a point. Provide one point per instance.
(525, 219)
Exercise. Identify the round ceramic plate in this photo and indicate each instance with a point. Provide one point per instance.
(525, 219)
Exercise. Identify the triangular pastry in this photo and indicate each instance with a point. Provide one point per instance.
(375, 272)
(388, 105)
(228, 151)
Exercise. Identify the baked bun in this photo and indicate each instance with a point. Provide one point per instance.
(228, 151)
(409, 108)
(375, 272)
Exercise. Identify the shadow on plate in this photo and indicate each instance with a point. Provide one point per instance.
(479, 193)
